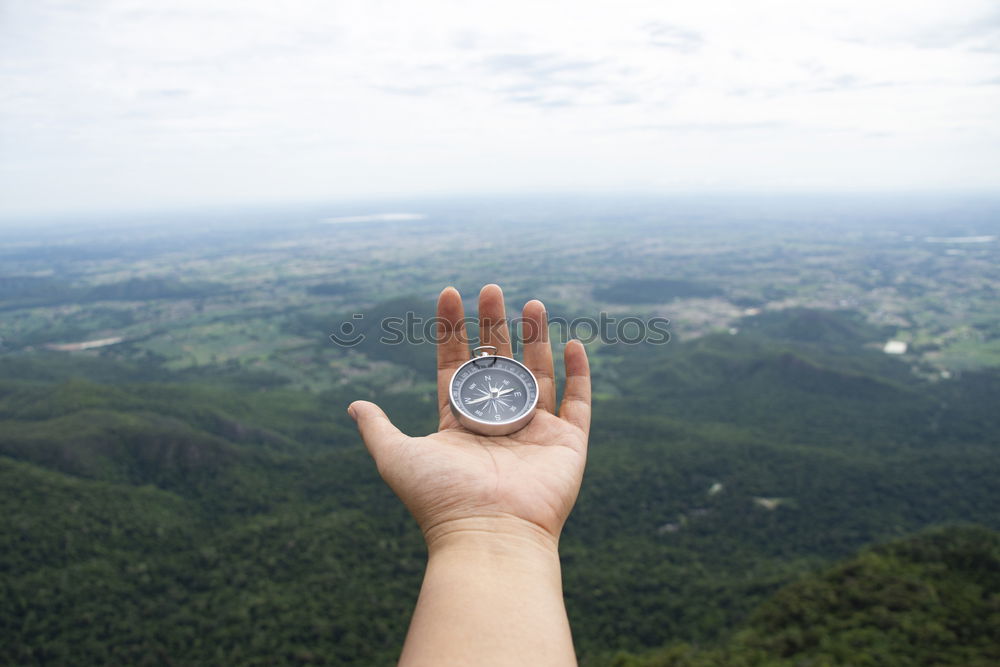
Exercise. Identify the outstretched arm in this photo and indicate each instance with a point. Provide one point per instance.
(491, 508)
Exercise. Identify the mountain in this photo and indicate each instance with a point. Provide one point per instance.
(219, 516)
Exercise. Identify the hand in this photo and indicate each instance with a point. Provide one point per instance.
(455, 481)
(491, 508)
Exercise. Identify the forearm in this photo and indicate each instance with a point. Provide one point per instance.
(490, 598)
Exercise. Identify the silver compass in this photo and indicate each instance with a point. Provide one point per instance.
(493, 395)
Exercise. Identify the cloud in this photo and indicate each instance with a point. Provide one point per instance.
(206, 100)
(466, 39)
(166, 93)
(709, 127)
(825, 82)
(980, 33)
(543, 80)
(541, 101)
(536, 65)
(975, 30)
(409, 91)
(666, 36)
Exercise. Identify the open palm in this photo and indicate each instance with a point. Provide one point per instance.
(453, 479)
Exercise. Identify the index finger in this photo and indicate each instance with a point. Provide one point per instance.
(452, 349)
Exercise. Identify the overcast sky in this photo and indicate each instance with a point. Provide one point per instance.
(127, 103)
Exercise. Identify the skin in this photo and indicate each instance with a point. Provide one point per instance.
(491, 508)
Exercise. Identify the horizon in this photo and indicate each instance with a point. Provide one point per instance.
(329, 209)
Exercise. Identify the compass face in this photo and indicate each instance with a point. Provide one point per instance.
(493, 395)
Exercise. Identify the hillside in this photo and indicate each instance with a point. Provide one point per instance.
(220, 516)
(933, 599)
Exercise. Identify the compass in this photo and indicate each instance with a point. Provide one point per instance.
(493, 395)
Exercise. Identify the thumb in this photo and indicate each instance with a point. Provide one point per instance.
(377, 431)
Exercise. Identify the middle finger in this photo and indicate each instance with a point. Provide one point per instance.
(493, 320)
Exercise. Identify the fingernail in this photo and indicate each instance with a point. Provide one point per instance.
(350, 411)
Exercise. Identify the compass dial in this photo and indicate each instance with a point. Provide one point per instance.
(493, 395)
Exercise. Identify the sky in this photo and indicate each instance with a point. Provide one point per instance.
(118, 104)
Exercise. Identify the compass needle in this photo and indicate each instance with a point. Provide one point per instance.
(477, 400)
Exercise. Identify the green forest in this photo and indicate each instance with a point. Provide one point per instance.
(932, 599)
(788, 496)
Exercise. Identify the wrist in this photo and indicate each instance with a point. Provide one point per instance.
(500, 535)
